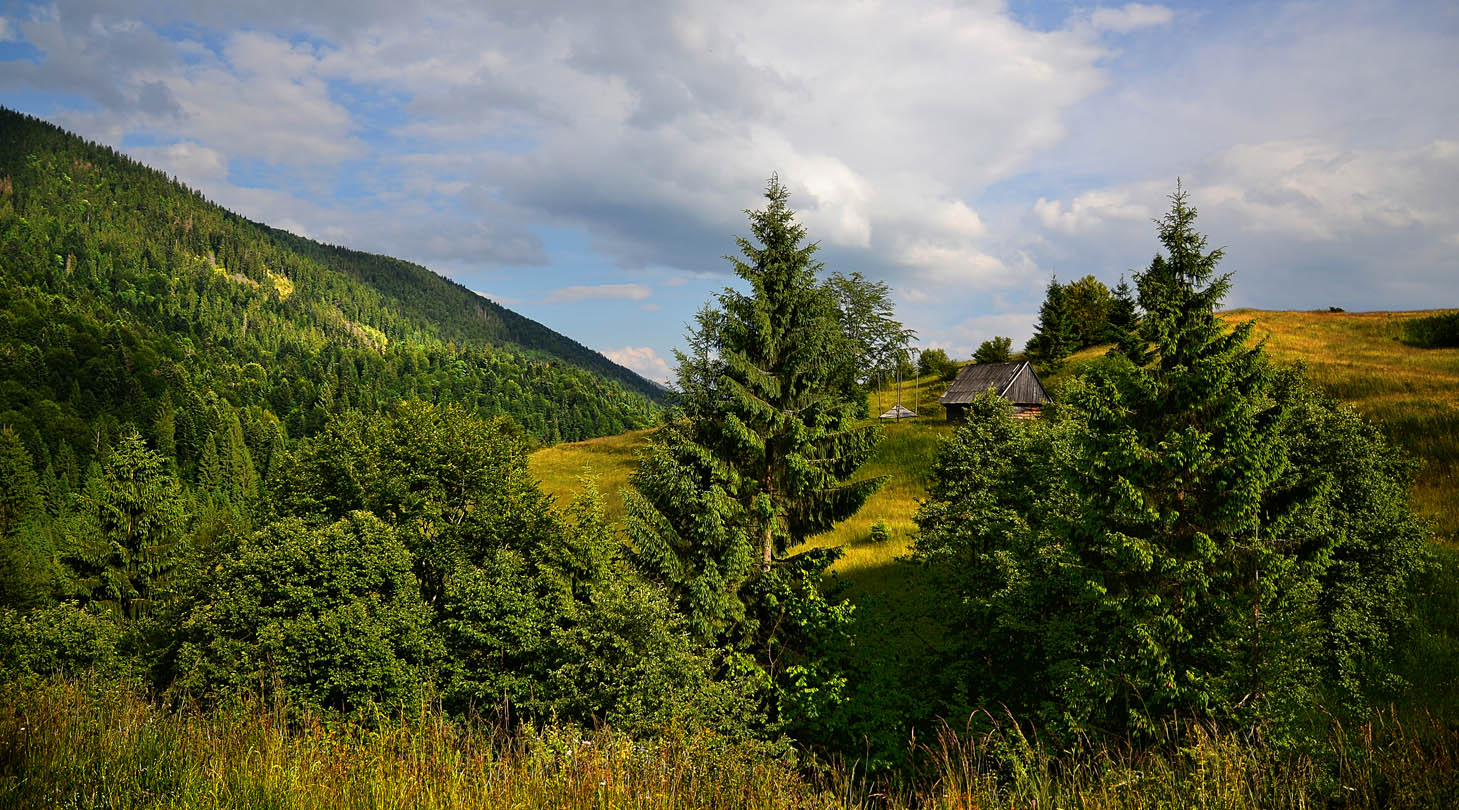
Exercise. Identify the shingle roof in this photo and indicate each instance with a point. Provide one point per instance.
(975, 379)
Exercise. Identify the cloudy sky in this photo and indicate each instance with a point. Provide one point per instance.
(588, 163)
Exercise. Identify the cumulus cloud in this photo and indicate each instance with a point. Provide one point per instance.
(643, 360)
(947, 147)
(599, 292)
(1130, 17)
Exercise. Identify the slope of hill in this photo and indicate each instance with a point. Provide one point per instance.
(126, 298)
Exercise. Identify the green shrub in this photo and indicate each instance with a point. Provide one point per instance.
(331, 615)
(880, 532)
(1433, 332)
(62, 639)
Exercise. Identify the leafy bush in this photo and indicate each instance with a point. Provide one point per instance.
(62, 639)
(1433, 332)
(332, 615)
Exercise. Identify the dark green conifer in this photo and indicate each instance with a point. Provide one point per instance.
(1053, 338)
(764, 452)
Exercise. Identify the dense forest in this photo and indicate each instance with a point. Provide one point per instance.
(239, 470)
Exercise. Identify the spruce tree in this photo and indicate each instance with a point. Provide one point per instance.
(133, 519)
(1172, 464)
(1124, 324)
(1053, 338)
(764, 450)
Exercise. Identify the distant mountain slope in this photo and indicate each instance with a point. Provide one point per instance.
(459, 313)
(126, 298)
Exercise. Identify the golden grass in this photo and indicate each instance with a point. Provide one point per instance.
(1412, 394)
(903, 455)
(608, 460)
(98, 745)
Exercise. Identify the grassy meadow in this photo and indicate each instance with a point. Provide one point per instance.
(903, 456)
(68, 744)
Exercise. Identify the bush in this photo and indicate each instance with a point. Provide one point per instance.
(880, 532)
(332, 615)
(62, 640)
(1433, 332)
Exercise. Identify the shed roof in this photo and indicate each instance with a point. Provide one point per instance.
(1015, 382)
(899, 412)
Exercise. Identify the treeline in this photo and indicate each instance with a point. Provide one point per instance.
(1081, 314)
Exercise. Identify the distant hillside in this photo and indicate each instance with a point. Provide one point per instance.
(458, 313)
(126, 298)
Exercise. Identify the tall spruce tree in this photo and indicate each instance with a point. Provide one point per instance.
(1053, 338)
(1175, 461)
(764, 450)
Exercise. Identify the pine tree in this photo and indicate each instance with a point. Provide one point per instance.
(764, 451)
(1124, 325)
(1053, 338)
(1173, 463)
(20, 494)
(133, 519)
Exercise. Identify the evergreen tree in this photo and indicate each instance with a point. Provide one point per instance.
(20, 494)
(1196, 537)
(1123, 326)
(1175, 462)
(1053, 338)
(764, 451)
(133, 519)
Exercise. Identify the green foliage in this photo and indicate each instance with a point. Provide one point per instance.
(864, 309)
(1054, 336)
(936, 362)
(1432, 332)
(1199, 537)
(761, 458)
(64, 639)
(457, 486)
(1089, 311)
(129, 525)
(763, 455)
(880, 532)
(1123, 326)
(332, 615)
(994, 350)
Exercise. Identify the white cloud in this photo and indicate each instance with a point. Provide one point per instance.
(7, 30)
(1130, 17)
(643, 360)
(1090, 209)
(599, 292)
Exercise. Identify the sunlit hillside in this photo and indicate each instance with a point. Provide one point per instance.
(1412, 393)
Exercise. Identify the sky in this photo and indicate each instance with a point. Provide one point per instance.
(588, 164)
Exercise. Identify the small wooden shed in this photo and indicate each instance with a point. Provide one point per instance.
(1015, 382)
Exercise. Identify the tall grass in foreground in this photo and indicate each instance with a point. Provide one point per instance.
(64, 744)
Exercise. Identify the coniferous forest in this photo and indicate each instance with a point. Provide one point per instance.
(268, 538)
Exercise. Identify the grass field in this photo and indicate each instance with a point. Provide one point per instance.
(903, 456)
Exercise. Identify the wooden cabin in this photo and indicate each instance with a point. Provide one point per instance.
(1015, 382)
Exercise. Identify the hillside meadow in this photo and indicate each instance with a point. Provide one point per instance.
(1412, 394)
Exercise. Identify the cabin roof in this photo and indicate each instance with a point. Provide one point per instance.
(1015, 382)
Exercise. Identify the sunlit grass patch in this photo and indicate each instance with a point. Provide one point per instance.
(608, 460)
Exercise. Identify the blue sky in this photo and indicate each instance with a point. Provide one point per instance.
(588, 164)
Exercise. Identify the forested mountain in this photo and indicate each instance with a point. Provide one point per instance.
(126, 298)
